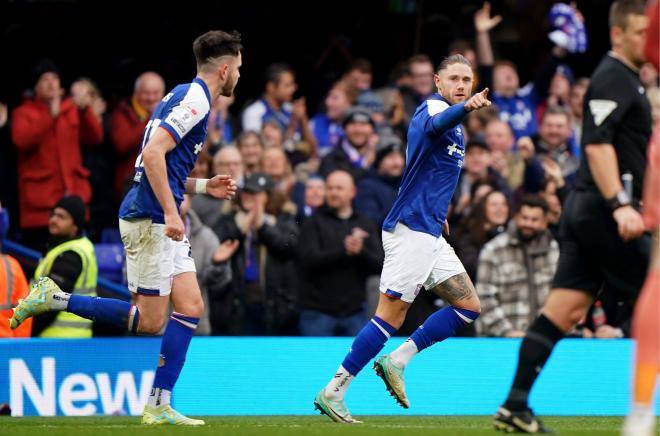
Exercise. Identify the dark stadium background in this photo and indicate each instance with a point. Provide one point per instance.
(111, 42)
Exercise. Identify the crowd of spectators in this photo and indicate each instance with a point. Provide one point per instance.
(298, 251)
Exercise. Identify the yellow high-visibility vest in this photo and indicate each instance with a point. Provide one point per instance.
(69, 325)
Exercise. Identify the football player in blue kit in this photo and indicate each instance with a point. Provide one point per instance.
(416, 254)
(160, 268)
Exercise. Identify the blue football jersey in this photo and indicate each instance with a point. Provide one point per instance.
(434, 158)
(183, 113)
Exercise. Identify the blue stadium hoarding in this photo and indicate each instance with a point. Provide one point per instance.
(280, 376)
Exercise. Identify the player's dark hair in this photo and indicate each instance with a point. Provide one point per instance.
(275, 71)
(214, 44)
(533, 201)
(451, 60)
(621, 9)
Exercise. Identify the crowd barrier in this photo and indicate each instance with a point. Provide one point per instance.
(280, 376)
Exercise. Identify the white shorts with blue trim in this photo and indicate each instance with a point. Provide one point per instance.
(414, 260)
(153, 259)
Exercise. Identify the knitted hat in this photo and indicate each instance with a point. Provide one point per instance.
(76, 208)
(357, 114)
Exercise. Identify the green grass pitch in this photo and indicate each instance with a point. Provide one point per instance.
(297, 425)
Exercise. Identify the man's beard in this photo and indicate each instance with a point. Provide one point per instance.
(228, 89)
(527, 238)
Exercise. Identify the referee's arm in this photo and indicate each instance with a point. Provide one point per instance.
(603, 165)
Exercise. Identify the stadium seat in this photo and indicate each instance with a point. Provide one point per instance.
(110, 235)
(110, 260)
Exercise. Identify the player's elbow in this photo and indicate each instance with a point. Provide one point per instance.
(150, 156)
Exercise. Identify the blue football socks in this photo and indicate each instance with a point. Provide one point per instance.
(441, 325)
(176, 339)
(367, 344)
(105, 310)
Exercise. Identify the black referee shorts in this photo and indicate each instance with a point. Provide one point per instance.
(592, 255)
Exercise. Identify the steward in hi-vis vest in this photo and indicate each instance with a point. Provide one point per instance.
(71, 263)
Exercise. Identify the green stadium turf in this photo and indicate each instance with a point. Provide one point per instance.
(297, 425)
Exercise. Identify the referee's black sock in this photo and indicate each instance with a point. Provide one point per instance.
(535, 349)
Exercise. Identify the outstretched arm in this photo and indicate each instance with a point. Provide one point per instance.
(483, 23)
(449, 116)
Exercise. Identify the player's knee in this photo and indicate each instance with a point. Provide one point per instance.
(198, 308)
(575, 316)
(471, 304)
(151, 325)
(564, 319)
(193, 307)
(392, 311)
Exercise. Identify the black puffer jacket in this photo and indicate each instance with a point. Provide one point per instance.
(277, 242)
(332, 281)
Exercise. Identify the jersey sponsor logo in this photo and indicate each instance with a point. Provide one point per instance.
(167, 97)
(198, 148)
(182, 118)
(451, 149)
(601, 109)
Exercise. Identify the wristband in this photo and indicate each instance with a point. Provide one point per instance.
(200, 186)
(619, 200)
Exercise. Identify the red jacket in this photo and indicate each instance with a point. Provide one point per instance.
(126, 132)
(49, 156)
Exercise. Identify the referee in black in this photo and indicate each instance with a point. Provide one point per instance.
(602, 240)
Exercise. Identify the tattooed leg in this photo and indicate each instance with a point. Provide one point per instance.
(459, 292)
(463, 309)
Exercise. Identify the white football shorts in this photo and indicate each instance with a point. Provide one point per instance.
(414, 260)
(153, 259)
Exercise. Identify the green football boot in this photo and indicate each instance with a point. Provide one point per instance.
(392, 375)
(39, 300)
(165, 415)
(335, 409)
